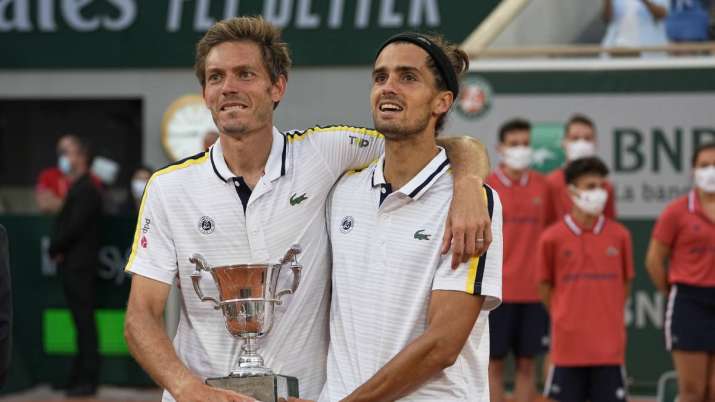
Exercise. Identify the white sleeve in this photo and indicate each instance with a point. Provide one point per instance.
(480, 275)
(153, 253)
(343, 147)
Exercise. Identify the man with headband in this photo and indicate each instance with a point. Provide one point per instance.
(403, 325)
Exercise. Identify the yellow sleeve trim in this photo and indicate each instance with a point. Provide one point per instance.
(472, 274)
(168, 169)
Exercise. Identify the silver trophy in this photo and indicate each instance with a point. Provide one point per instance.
(247, 296)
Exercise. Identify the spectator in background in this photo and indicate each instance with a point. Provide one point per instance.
(688, 21)
(53, 183)
(75, 246)
(5, 307)
(579, 141)
(140, 178)
(586, 267)
(520, 324)
(635, 23)
(684, 235)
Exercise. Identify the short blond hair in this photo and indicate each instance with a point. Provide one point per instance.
(276, 55)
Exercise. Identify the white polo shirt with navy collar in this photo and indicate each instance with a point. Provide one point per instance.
(196, 206)
(386, 263)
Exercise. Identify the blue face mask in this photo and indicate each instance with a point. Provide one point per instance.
(64, 164)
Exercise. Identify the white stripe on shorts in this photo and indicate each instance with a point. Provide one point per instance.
(549, 379)
(669, 318)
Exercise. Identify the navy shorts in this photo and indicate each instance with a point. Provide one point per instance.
(587, 383)
(690, 319)
(518, 327)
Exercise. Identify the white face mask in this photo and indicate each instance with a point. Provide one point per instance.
(138, 188)
(64, 165)
(580, 149)
(517, 158)
(705, 179)
(591, 202)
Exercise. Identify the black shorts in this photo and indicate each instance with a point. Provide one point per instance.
(587, 383)
(518, 327)
(690, 319)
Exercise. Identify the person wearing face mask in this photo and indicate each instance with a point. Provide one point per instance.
(684, 237)
(520, 324)
(53, 182)
(140, 178)
(579, 142)
(586, 268)
(74, 247)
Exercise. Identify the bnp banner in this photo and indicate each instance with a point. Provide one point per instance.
(163, 33)
(648, 123)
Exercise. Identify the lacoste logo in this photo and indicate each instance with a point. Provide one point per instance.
(297, 200)
(422, 236)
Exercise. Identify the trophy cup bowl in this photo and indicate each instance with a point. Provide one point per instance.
(247, 295)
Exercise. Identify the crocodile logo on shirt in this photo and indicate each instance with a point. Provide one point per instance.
(422, 236)
(297, 200)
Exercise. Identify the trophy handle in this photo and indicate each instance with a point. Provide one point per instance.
(201, 265)
(295, 267)
(291, 254)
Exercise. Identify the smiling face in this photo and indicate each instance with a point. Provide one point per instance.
(238, 90)
(404, 98)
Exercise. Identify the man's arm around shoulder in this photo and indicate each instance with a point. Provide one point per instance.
(152, 349)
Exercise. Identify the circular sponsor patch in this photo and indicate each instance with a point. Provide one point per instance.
(475, 97)
(347, 224)
(206, 225)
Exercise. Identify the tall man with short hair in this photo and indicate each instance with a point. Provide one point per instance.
(520, 324)
(252, 195)
(586, 268)
(75, 247)
(579, 142)
(403, 324)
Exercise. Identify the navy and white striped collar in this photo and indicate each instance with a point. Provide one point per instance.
(506, 181)
(275, 165)
(419, 184)
(571, 224)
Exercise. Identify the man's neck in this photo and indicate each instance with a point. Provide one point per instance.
(583, 219)
(246, 155)
(513, 174)
(404, 159)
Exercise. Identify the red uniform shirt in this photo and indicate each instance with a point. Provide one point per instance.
(587, 270)
(526, 212)
(54, 180)
(562, 200)
(690, 235)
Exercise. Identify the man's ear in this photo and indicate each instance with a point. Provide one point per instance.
(278, 88)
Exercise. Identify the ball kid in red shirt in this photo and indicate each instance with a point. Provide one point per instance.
(585, 268)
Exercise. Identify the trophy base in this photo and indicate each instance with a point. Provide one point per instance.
(267, 388)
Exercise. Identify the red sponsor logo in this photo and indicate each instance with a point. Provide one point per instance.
(143, 242)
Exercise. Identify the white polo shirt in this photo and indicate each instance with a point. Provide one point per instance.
(386, 263)
(193, 206)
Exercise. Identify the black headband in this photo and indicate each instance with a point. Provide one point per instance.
(440, 59)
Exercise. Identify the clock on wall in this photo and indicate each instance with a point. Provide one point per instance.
(186, 121)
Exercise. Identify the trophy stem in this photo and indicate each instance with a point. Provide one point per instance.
(250, 363)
